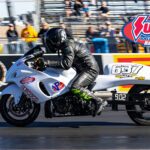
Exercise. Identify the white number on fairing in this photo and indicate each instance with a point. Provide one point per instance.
(123, 69)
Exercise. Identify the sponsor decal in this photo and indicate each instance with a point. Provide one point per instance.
(138, 30)
(58, 86)
(29, 93)
(27, 80)
(124, 71)
(140, 78)
(143, 59)
(125, 76)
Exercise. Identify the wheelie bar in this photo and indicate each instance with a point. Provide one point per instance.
(122, 99)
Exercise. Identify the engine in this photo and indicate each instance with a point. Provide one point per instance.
(69, 104)
(62, 104)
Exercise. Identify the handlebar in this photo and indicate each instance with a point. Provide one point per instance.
(38, 54)
(35, 55)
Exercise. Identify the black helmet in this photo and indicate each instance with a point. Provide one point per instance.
(54, 39)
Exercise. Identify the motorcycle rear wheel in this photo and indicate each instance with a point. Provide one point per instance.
(140, 114)
(17, 115)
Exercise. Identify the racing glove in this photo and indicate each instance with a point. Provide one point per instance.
(41, 64)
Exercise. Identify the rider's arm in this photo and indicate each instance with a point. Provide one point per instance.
(65, 62)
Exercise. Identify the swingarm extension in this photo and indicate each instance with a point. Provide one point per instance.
(123, 99)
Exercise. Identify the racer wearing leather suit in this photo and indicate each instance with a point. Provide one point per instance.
(74, 54)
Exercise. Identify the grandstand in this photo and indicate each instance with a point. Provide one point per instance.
(53, 12)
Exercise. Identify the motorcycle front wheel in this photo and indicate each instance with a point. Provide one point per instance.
(21, 114)
(139, 113)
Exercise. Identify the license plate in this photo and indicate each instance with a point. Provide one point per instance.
(120, 96)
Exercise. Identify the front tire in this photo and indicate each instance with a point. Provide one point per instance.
(140, 114)
(18, 115)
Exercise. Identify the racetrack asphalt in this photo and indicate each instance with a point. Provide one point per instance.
(111, 130)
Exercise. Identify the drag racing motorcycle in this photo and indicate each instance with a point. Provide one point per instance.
(29, 85)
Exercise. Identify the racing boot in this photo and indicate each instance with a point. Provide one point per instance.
(100, 106)
(88, 95)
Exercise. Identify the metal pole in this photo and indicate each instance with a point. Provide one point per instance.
(10, 11)
(37, 16)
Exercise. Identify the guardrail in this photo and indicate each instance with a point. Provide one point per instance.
(116, 44)
(14, 47)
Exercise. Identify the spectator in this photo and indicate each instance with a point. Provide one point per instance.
(12, 36)
(133, 17)
(81, 2)
(44, 28)
(68, 7)
(29, 35)
(108, 31)
(86, 12)
(77, 7)
(104, 10)
(68, 3)
(90, 33)
(68, 33)
(118, 32)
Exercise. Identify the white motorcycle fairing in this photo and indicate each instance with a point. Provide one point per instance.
(117, 74)
(13, 90)
(29, 81)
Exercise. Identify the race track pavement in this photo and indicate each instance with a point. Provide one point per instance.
(111, 130)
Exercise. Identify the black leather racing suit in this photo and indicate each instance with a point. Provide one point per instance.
(78, 56)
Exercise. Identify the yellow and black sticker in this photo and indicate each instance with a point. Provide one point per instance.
(140, 78)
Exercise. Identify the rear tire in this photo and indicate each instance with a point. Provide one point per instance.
(133, 110)
(18, 116)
